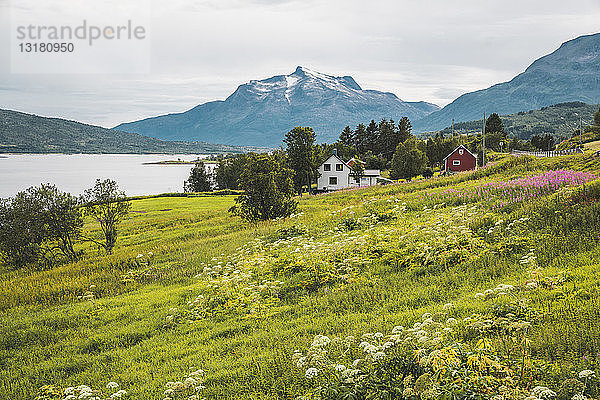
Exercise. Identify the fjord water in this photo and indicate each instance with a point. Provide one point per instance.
(76, 172)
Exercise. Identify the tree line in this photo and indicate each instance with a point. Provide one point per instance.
(269, 181)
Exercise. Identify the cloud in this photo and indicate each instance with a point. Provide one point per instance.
(431, 50)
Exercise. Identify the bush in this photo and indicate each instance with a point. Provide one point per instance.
(40, 224)
(268, 190)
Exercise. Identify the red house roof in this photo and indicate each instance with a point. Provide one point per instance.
(460, 147)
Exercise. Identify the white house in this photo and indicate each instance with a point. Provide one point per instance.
(335, 174)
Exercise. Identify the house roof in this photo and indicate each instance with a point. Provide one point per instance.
(367, 172)
(338, 158)
(459, 147)
(372, 172)
(351, 162)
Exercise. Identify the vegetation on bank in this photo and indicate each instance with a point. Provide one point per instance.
(558, 121)
(477, 285)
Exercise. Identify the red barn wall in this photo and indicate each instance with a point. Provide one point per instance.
(467, 162)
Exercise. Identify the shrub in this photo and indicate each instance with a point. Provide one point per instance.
(569, 388)
(40, 224)
(268, 190)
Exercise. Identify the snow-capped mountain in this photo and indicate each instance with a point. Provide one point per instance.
(260, 112)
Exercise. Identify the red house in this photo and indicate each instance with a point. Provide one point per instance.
(461, 159)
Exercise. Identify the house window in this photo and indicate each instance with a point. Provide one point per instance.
(339, 167)
(455, 162)
(333, 180)
(326, 167)
(460, 151)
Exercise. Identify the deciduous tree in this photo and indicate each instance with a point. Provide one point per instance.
(301, 156)
(408, 161)
(108, 206)
(357, 170)
(41, 224)
(199, 180)
(268, 190)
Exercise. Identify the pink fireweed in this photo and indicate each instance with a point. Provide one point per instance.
(502, 193)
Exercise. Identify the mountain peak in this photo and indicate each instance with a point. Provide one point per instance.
(261, 111)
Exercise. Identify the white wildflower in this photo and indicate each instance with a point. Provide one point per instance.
(311, 373)
(543, 393)
(320, 341)
(340, 367)
(587, 373)
(189, 382)
(397, 329)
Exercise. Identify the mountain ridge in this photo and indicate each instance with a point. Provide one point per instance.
(570, 73)
(22, 132)
(558, 120)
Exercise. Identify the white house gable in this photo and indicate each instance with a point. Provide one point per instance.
(334, 174)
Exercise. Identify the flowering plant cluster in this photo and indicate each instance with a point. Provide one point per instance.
(498, 193)
(484, 356)
(143, 269)
(190, 388)
(82, 392)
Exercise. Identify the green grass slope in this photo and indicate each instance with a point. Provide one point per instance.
(190, 286)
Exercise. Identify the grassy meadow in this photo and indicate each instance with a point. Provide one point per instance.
(191, 286)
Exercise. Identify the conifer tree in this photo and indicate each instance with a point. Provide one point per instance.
(347, 137)
(494, 124)
(404, 129)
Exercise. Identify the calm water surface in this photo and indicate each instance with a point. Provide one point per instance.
(76, 172)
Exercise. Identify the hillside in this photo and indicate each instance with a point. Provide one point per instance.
(571, 73)
(260, 112)
(28, 133)
(559, 120)
(489, 276)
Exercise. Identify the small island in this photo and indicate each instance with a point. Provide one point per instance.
(179, 162)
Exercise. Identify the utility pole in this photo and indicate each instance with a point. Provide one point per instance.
(483, 146)
(452, 127)
(580, 132)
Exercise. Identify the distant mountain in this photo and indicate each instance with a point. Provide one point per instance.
(559, 120)
(28, 133)
(571, 73)
(261, 112)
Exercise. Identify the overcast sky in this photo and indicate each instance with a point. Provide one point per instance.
(432, 50)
